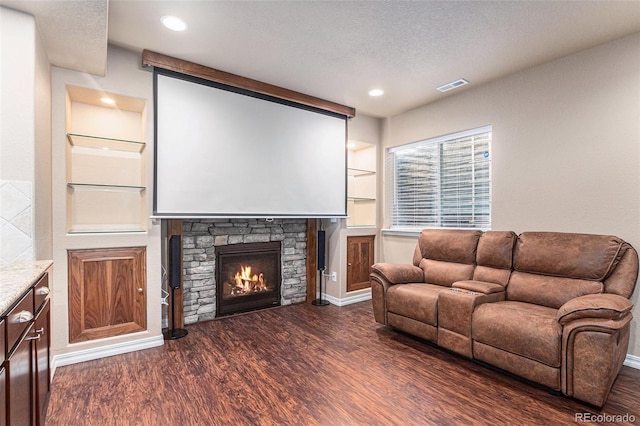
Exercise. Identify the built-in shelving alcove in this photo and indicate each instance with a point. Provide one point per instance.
(361, 184)
(106, 188)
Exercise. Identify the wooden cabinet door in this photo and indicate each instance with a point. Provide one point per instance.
(20, 387)
(3, 393)
(359, 261)
(107, 292)
(42, 368)
(3, 378)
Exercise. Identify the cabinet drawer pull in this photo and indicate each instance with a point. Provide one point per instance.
(39, 331)
(36, 338)
(42, 291)
(21, 317)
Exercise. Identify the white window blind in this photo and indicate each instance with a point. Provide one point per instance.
(443, 182)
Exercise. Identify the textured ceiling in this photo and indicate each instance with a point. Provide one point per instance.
(74, 32)
(340, 50)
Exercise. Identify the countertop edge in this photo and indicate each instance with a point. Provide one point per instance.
(16, 279)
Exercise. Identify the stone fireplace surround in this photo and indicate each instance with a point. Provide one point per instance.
(200, 238)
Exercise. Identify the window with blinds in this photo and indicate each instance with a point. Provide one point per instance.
(443, 182)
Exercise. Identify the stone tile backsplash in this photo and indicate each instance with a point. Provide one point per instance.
(16, 221)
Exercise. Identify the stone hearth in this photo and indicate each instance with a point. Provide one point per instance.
(200, 238)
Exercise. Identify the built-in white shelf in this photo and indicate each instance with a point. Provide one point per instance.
(105, 185)
(359, 172)
(97, 142)
(361, 186)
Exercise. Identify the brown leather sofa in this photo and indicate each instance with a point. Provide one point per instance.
(550, 307)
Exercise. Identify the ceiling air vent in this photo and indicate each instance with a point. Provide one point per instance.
(453, 85)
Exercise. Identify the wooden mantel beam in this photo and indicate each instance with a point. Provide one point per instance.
(153, 59)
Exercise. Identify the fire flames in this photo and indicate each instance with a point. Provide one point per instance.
(244, 282)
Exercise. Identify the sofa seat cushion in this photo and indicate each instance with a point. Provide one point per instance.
(524, 329)
(417, 301)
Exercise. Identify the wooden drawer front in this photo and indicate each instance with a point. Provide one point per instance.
(2, 344)
(41, 292)
(18, 320)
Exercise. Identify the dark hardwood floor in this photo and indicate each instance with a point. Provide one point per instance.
(308, 365)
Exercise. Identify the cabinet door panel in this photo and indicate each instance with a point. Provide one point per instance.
(42, 363)
(20, 384)
(112, 304)
(3, 378)
(3, 394)
(124, 292)
(359, 260)
(107, 292)
(95, 293)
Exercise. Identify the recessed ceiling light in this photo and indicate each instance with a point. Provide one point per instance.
(108, 101)
(174, 23)
(453, 85)
(376, 92)
(351, 145)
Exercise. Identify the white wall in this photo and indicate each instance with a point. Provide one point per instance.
(123, 76)
(565, 150)
(17, 94)
(25, 138)
(362, 128)
(43, 237)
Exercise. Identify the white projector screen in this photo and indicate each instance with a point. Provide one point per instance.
(233, 153)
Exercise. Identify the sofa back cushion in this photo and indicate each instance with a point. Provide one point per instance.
(551, 268)
(544, 290)
(446, 255)
(494, 257)
(579, 256)
(445, 273)
(449, 245)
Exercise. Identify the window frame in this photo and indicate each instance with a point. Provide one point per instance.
(435, 144)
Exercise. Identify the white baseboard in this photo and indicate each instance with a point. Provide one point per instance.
(632, 361)
(349, 299)
(104, 351)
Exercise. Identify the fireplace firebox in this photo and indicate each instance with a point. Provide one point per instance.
(247, 277)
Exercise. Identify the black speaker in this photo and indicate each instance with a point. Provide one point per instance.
(321, 265)
(175, 271)
(175, 253)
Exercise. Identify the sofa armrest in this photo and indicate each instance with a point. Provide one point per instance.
(385, 275)
(478, 286)
(396, 273)
(593, 351)
(604, 306)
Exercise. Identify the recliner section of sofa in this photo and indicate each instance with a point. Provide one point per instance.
(550, 307)
(445, 258)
